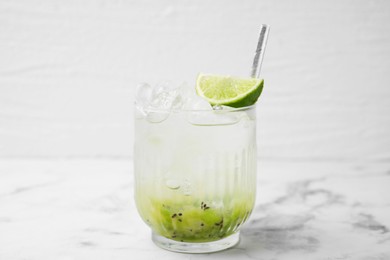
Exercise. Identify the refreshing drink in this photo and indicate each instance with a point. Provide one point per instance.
(195, 158)
(195, 168)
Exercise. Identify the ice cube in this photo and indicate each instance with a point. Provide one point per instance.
(220, 115)
(160, 105)
(212, 118)
(195, 102)
(163, 96)
(143, 94)
(183, 92)
(177, 103)
(157, 116)
(140, 112)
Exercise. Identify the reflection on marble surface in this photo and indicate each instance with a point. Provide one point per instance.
(84, 209)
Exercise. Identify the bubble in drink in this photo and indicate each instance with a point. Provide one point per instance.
(172, 184)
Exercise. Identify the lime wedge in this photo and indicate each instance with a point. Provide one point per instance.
(229, 91)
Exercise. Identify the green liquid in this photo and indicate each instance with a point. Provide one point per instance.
(192, 220)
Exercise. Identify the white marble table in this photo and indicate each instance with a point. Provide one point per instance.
(84, 209)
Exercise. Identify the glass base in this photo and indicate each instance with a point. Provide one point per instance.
(196, 248)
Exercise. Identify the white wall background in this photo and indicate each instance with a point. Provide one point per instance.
(68, 71)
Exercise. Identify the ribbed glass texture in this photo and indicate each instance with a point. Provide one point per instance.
(195, 173)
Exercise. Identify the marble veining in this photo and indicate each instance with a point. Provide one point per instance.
(84, 209)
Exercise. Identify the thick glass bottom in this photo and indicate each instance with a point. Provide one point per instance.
(196, 248)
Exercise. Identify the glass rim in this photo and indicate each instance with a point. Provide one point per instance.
(173, 110)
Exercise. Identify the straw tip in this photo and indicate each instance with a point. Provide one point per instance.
(266, 26)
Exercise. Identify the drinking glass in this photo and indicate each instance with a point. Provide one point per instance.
(195, 176)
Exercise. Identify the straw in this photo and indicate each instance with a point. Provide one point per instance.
(259, 55)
